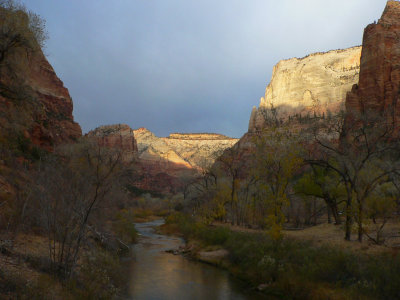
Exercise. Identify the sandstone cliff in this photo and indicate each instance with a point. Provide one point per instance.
(162, 164)
(119, 136)
(168, 162)
(196, 150)
(199, 150)
(317, 83)
(35, 107)
(33, 100)
(379, 85)
(57, 123)
(155, 150)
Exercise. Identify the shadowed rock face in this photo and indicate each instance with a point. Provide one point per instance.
(50, 120)
(57, 101)
(317, 83)
(379, 85)
(119, 136)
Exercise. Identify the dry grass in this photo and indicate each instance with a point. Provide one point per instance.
(31, 244)
(329, 234)
(21, 269)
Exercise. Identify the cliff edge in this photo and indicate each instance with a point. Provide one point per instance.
(315, 85)
(379, 85)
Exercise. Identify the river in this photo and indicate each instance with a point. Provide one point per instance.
(157, 275)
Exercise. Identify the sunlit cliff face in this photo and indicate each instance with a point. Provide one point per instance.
(317, 83)
(188, 150)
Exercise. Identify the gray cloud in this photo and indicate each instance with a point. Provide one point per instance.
(185, 65)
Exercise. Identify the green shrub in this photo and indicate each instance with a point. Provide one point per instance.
(101, 277)
(297, 269)
(124, 227)
(216, 236)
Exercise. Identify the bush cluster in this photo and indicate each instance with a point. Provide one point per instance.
(298, 269)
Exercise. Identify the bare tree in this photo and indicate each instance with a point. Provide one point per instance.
(363, 158)
(69, 189)
(232, 165)
(20, 29)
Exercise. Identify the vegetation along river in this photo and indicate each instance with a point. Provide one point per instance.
(156, 274)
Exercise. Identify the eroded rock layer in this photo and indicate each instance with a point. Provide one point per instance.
(162, 164)
(169, 162)
(37, 99)
(197, 150)
(119, 136)
(314, 85)
(56, 99)
(379, 85)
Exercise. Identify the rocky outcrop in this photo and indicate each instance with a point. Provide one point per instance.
(200, 149)
(162, 164)
(35, 107)
(168, 162)
(155, 150)
(379, 85)
(313, 85)
(33, 100)
(196, 150)
(57, 123)
(119, 136)
(199, 136)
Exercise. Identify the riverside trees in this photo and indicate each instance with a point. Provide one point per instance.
(276, 160)
(352, 167)
(365, 158)
(70, 189)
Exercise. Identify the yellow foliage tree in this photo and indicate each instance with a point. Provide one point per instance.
(277, 159)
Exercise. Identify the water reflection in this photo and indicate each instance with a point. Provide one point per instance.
(160, 275)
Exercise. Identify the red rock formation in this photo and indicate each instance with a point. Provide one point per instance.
(379, 83)
(50, 91)
(33, 100)
(118, 136)
(47, 119)
(153, 173)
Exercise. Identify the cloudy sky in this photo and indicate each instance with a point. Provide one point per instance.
(187, 65)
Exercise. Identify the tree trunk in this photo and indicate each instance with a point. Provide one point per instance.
(336, 215)
(360, 220)
(349, 219)
(328, 210)
(233, 212)
(314, 212)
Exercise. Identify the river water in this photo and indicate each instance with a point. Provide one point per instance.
(157, 275)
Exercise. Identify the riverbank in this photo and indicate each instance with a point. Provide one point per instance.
(26, 270)
(292, 268)
(157, 274)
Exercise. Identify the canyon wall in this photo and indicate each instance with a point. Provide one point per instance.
(196, 150)
(35, 107)
(162, 164)
(313, 85)
(169, 162)
(34, 99)
(379, 85)
(57, 123)
(119, 136)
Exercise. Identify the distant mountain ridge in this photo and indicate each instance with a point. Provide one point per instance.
(163, 162)
(194, 150)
